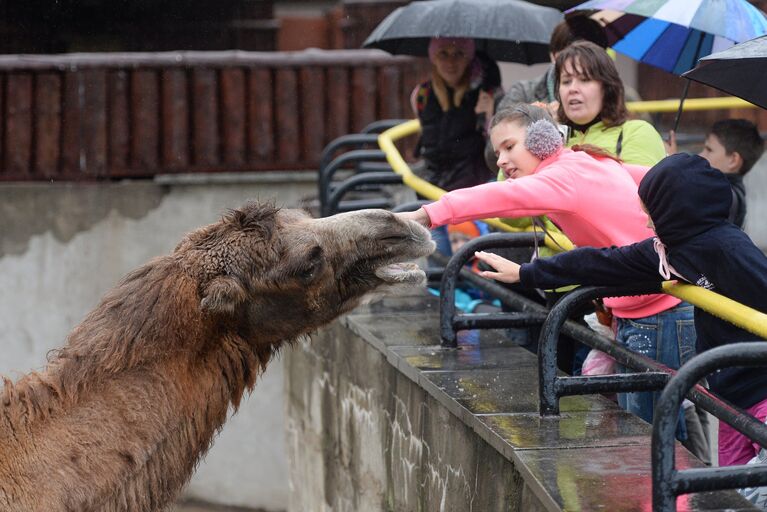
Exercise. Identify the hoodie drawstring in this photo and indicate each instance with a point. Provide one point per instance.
(664, 267)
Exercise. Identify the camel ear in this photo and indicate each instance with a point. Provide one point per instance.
(223, 295)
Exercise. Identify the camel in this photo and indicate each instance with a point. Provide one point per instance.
(122, 413)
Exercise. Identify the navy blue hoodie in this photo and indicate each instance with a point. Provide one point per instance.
(689, 203)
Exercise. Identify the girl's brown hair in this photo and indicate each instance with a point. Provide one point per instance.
(592, 62)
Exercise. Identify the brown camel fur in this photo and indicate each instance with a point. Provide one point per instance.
(121, 414)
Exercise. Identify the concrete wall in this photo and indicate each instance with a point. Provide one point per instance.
(363, 437)
(63, 245)
(756, 198)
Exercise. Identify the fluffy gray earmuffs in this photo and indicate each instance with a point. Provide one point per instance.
(543, 139)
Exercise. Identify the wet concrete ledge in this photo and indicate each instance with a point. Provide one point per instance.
(380, 417)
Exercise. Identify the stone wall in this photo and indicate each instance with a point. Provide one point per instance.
(362, 436)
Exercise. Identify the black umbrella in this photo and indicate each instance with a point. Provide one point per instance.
(506, 30)
(740, 70)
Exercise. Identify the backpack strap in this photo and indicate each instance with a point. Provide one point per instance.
(619, 144)
(422, 96)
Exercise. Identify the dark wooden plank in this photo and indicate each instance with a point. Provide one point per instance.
(233, 116)
(175, 120)
(145, 122)
(287, 116)
(71, 136)
(18, 133)
(94, 125)
(408, 84)
(119, 122)
(337, 118)
(363, 97)
(260, 116)
(47, 129)
(3, 117)
(312, 85)
(205, 140)
(389, 92)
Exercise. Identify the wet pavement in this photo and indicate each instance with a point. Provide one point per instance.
(594, 456)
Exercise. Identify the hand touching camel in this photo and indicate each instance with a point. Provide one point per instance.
(420, 216)
(505, 270)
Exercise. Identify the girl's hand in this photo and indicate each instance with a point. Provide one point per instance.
(507, 271)
(420, 216)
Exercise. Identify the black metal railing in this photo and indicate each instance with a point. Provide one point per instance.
(361, 151)
(530, 313)
(648, 375)
(668, 482)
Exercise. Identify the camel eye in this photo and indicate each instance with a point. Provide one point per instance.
(310, 266)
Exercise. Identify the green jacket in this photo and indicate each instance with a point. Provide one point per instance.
(634, 142)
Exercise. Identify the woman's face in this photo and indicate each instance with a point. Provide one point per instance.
(451, 63)
(581, 97)
(514, 159)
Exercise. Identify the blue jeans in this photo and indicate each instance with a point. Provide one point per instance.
(669, 338)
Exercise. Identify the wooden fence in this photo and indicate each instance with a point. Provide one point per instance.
(96, 116)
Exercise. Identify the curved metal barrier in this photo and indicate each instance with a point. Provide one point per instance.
(451, 322)
(668, 482)
(360, 152)
(326, 174)
(356, 182)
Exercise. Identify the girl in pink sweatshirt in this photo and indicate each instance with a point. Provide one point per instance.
(593, 199)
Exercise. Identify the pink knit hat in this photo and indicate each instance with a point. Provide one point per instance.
(462, 43)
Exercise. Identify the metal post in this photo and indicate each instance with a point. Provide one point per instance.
(447, 288)
(547, 347)
(353, 182)
(666, 481)
(326, 173)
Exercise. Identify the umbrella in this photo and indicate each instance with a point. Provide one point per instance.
(740, 70)
(674, 34)
(506, 30)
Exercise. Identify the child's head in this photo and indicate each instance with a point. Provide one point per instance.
(451, 57)
(733, 146)
(684, 197)
(522, 135)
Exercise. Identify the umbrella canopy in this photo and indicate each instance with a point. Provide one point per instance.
(506, 30)
(674, 34)
(740, 71)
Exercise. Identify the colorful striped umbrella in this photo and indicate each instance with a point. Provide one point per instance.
(674, 34)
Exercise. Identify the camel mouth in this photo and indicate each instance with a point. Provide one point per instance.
(401, 273)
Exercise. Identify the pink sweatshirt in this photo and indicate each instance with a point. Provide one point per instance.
(593, 201)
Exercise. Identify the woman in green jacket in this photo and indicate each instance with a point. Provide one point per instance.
(592, 104)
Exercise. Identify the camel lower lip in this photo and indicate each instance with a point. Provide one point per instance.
(401, 273)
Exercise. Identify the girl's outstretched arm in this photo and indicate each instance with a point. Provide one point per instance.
(506, 271)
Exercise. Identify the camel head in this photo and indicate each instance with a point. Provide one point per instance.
(274, 274)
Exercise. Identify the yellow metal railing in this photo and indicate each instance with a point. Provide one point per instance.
(718, 305)
(689, 104)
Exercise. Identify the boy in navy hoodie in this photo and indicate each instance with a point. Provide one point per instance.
(688, 203)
